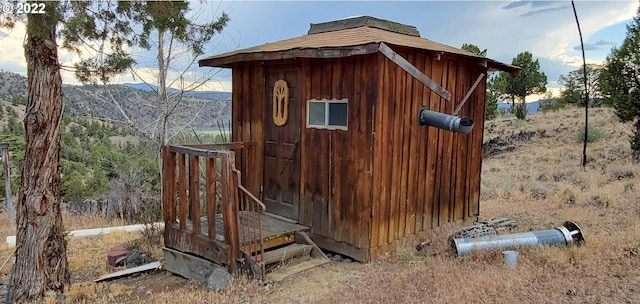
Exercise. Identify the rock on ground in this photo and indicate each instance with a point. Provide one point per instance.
(219, 279)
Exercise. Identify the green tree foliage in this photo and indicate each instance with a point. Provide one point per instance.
(474, 49)
(493, 94)
(620, 81)
(530, 81)
(573, 83)
(493, 97)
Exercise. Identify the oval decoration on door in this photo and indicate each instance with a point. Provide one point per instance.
(280, 103)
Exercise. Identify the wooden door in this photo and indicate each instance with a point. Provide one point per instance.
(281, 183)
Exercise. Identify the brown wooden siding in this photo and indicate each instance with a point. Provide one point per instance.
(424, 177)
(384, 178)
(337, 164)
(247, 116)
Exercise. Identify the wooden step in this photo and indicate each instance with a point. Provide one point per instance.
(286, 253)
(288, 271)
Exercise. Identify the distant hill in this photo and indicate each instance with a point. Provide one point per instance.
(532, 107)
(215, 95)
(95, 101)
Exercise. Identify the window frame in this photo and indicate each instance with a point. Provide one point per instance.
(326, 124)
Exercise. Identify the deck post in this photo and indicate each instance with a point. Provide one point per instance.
(168, 185)
(230, 210)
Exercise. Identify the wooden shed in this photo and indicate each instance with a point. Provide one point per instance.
(336, 142)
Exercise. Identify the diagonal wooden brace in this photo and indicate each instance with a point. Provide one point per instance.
(413, 71)
(473, 87)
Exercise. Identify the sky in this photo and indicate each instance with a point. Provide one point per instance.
(547, 29)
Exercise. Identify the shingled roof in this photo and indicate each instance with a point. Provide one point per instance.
(345, 39)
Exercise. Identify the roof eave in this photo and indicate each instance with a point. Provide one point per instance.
(227, 60)
(499, 66)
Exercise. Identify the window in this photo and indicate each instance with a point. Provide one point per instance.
(327, 114)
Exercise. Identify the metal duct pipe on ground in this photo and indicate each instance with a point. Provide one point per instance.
(444, 121)
(566, 235)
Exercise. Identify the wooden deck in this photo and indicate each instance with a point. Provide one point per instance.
(276, 231)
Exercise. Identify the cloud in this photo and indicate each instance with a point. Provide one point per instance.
(12, 52)
(530, 8)
(587, 47)
(595, 46)
(517, 4)
(544, 11)
(604, 42)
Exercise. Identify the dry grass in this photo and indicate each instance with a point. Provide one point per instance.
(540, 184)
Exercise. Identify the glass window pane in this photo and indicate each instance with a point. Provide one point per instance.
(315, 111)
(338, 114)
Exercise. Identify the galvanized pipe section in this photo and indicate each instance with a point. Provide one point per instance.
(566, 235)
(444, 121)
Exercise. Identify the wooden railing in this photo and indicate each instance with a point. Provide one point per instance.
(186, 195)
(201, 179)
(250, 225)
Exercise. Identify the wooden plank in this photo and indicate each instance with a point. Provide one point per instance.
(187, 265)
(376, 131)
(286, 253)
(278, 240)
(435, 146)
(395, 141)
(306, 205)
(249, 90)
(211, 195)
(338, 149)
(295, 269)
(255, 163)
(468, 94)
(466, 159)
(321, 143)
(363, 179)
(194, 192)
(462, 156)
(237, 104)
(328, 204)
(359, 254)
(413, 156)
(182, 190)
(197, 244)
(303, 237)
(413, 71)
(405, 143)
(455, 137)
(230, 210)
(347, 166)
(422, 99)
(386, 134)
(476, 154)
(129, 271)
(193, 151)
(431, 143)
(168, 185)
(236, 145)
(446, 153)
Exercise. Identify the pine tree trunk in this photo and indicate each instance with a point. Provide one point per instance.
(41, 260)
